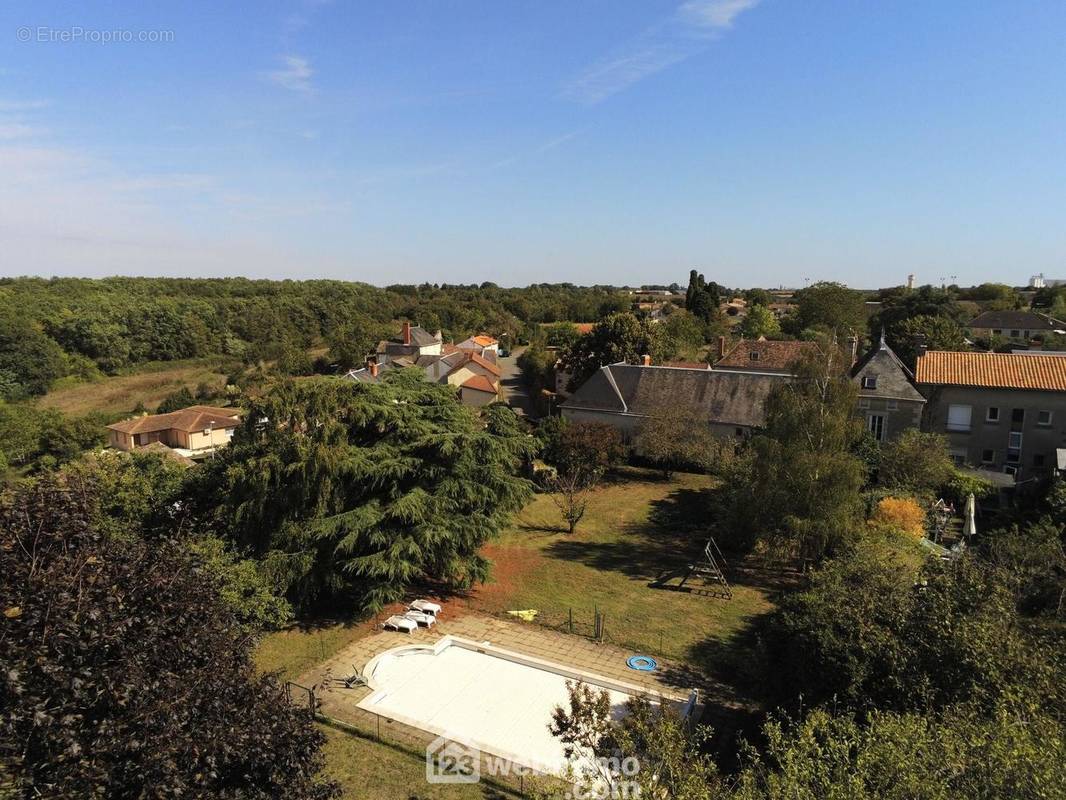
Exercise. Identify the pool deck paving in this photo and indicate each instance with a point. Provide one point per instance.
(605, 660)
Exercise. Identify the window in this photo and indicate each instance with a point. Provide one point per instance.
(864, 402)
(1014, 440)
(753, 355)
(1038, 460)
(875, 423)
(1017, 415)
(1010, 470)
(869, 382)
(1043, 418)
(996, 332)
(992, 414)
(988, 457)
(891, 405)
(959, 418)
(1016, 334)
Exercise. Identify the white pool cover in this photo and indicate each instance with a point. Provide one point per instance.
(496, 700)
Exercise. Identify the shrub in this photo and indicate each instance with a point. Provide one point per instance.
(899, 514)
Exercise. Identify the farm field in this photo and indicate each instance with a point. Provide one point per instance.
(120, 394)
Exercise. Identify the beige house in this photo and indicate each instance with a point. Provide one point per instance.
(193, 431)
(473, 365)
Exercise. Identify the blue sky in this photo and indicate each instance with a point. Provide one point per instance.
(764, 142)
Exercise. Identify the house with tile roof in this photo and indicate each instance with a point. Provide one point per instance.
(999, 411)
(761, 355)
(192, 432)
(454, 367)
(1015, 325)
(889, 402)
(482, 344)
(478, 390)
(624, 395)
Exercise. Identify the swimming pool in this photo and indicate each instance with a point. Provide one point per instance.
(493, 699)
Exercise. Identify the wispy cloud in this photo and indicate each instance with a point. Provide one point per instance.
(170, 181)
(295, 76)
(715, 14)
(544, 147)
(551, 144)
(9, 106)
(17, 130)
(688, 31)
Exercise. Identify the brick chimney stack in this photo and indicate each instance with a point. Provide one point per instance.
(647, 361)
(372, 365)
(721, 347)
(407, 333)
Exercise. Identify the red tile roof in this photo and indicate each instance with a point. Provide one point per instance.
(772, 354)
(193, 418)
(995, 370)
(484, 362)
(479, 383)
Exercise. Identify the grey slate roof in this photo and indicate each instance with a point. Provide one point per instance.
(1015, 320)
(420, 337)
(894, 380)
(730, 398)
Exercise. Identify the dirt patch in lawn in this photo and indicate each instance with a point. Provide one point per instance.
(510, 568)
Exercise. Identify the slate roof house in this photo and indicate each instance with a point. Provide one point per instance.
(413, 341)
(624, 395)
(1000, 411)
(889, 402)
(192, 432)
(1017, 326)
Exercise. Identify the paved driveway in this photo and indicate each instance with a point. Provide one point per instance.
(513, 389)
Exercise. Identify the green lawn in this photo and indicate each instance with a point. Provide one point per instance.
(636, 528)
(369, 770)
(293, 652)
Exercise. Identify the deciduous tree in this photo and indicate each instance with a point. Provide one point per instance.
(124, 676)
(760, 321)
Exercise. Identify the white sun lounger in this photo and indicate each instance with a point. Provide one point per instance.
(398, 623)
(422, 618)
(426, 607)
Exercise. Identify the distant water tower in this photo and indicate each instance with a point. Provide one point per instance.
(910, 281)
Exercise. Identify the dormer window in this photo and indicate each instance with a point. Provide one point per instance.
(753, 355)
(869, 382)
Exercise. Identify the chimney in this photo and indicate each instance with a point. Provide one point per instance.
(853, 344)
(721, 347)
(373, 367)
(407, 333)
(647, 361)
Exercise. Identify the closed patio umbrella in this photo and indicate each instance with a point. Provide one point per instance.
(969, 526)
